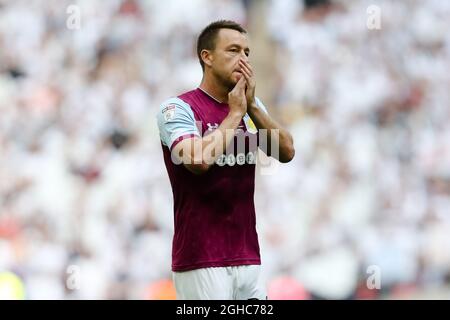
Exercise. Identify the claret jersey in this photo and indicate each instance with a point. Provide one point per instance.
(214, 213)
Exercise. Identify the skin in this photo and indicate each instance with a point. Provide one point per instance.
(229, 78)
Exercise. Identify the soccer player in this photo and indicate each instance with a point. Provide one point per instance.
(209, 140)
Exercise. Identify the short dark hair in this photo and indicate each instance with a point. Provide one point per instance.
(315, 3)
(207, 38)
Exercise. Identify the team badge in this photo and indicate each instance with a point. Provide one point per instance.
(169, 112)
(249, 124)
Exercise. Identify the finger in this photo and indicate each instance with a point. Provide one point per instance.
(247, 66)
(246, 75)
(247, 72)
(241, 82)
(246, 63)
(248, 78)
(244, 66)
(245, 69)
(240, 85)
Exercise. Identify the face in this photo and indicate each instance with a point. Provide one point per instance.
(231, 45)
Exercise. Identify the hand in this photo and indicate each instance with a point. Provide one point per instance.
(237, 99)
(247, 72)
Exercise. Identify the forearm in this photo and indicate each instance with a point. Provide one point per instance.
(280, 136)
(214, 144)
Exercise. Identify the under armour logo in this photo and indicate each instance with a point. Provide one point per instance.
(212, 127)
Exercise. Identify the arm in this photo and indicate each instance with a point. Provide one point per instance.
(198, 154)
(262, 120)
(282, 137)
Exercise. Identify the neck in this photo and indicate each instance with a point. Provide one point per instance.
(215, 89)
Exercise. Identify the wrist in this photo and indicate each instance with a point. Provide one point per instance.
(252, 107)
(235, 114)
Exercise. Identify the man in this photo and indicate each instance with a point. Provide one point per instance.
(209, 146)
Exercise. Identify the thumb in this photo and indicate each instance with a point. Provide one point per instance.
(241, 83)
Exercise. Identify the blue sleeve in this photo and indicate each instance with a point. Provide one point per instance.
(260, 105)
(176, 121)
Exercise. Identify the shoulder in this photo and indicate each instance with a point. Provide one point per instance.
(173, 102)
(172, 106)
(188, 95)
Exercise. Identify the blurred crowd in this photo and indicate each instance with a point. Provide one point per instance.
(85, 201)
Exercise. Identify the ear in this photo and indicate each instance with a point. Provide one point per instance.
(207, 57)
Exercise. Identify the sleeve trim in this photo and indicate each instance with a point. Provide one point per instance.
(181, 138)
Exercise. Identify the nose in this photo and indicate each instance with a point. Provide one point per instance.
(244, 57)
